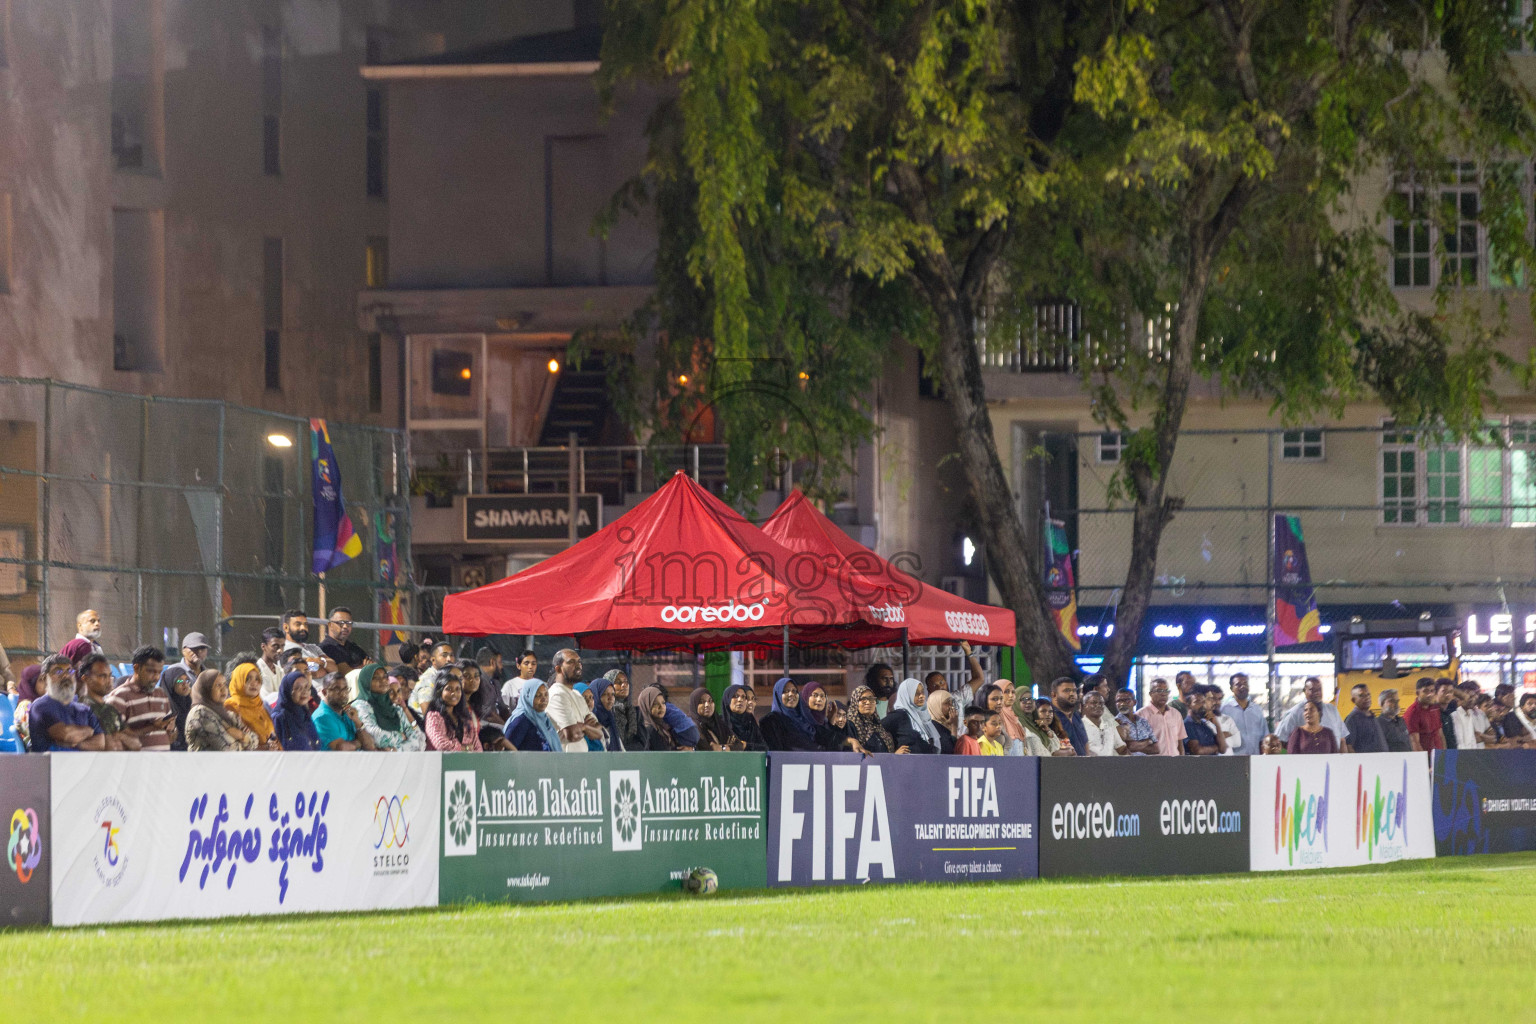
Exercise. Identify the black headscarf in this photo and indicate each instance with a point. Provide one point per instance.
(604, 715)
(744, 725)
(709, 727)
(295, 729)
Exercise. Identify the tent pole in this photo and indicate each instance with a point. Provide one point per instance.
(786, 648)
(906, 653)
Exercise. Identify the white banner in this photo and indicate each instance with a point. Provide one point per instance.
(151, 836)
(1337, 810)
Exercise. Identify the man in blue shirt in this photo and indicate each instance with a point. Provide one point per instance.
(1064, 696)
(57, 721)
(336, 720)
(1248, 716)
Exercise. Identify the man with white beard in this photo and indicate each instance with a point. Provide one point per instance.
(58, 721)
(88, 628)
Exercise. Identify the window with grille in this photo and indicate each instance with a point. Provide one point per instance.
(1487, 480)
(1410, 238)
(1458, 221)
(376, 153)
(271, 100)
(1110, 446)
(1305, 445)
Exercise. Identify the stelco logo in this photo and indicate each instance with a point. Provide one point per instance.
(966, 622)
(1092, 821)
(731, 612)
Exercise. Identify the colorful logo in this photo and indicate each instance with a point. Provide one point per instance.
(24, 849)
(110, 859)
(389, 818)
(1301, 823)
(1379, 817)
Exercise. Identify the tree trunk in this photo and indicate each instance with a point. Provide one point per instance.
(1014, 565)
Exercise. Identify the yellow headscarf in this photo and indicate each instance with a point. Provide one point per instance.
(252, 710)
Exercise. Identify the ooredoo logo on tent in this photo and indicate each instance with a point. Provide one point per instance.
(730, 612)
(966, 622)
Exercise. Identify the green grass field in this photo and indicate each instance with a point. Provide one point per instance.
(1444, 940)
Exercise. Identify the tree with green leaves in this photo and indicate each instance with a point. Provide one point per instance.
(833, 173)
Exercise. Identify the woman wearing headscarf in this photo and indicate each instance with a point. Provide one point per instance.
(450, 725)
(789, 726)
(530, 729)
(1044, 740)
(1013, 725)
(291, 723)
(993, 697)
(865, 727)
(941, 710)
(210, 725)
(712, 734)
(624, 711)
(652, 706)
(908, 723)
(604, 698)
(830, 737)
(739, 721)
(245, 701)
(379, 715)
(596, 746)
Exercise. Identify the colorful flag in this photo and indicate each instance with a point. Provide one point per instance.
(1060, 587)
(389, 576)
(335, 541)
(1296, 618)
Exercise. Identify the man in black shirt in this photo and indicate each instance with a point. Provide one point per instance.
(1445, 695)
(338, 645)
(1365, 735)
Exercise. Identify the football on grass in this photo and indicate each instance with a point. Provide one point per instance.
(701, 882)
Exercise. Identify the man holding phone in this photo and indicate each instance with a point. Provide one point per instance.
(145, 710)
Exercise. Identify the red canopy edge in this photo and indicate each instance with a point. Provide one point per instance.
(681, 569)
(929, 614)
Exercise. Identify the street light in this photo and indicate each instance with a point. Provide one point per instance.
(277, 440)
(554, 366)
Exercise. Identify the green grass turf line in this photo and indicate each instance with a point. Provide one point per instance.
(1444, 940)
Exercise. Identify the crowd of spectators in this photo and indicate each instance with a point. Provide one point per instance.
(289, 693)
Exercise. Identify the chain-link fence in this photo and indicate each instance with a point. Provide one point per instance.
(175, 514)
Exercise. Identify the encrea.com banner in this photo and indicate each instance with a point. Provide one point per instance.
(1339, 810)
(152, 836)
(841, 819)
(1143, 815)
(534, 827)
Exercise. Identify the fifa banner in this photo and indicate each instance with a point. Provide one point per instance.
(534, 827)
(1484, 801)
(1339, 810)
(1143, 815)
(842, 819)
(144, 837)
(24, 882)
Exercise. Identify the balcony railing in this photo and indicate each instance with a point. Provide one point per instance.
(614, 472)
(1056, 341)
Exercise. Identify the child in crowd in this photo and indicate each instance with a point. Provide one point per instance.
(969, 742)
(991, 741)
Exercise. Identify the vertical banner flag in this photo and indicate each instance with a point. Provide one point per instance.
(1060, 588)
(335, 542)
(1296, 620)
(389, 576)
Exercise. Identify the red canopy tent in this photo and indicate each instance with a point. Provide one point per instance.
(929, 615)
(680, 570)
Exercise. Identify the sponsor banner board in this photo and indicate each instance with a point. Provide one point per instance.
(24, 881)
(524, 517)
(533, 827)
(144, 837)
(1338, 810)
(842, 819)
(1484, 801)
(1143, 815)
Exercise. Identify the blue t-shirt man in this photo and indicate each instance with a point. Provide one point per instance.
(330, 725)
(1197, 732)
(45, 712)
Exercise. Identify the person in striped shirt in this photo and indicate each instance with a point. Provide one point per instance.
(145, 710)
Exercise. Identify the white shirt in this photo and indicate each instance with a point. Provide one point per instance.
(1103, 740)
(1230, 730)
(1468, 724)
(271, 679)
(567, 708)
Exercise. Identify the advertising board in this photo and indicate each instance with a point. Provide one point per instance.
(1484, 801)
(25, 879)
(842, 819)
(145, 837)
